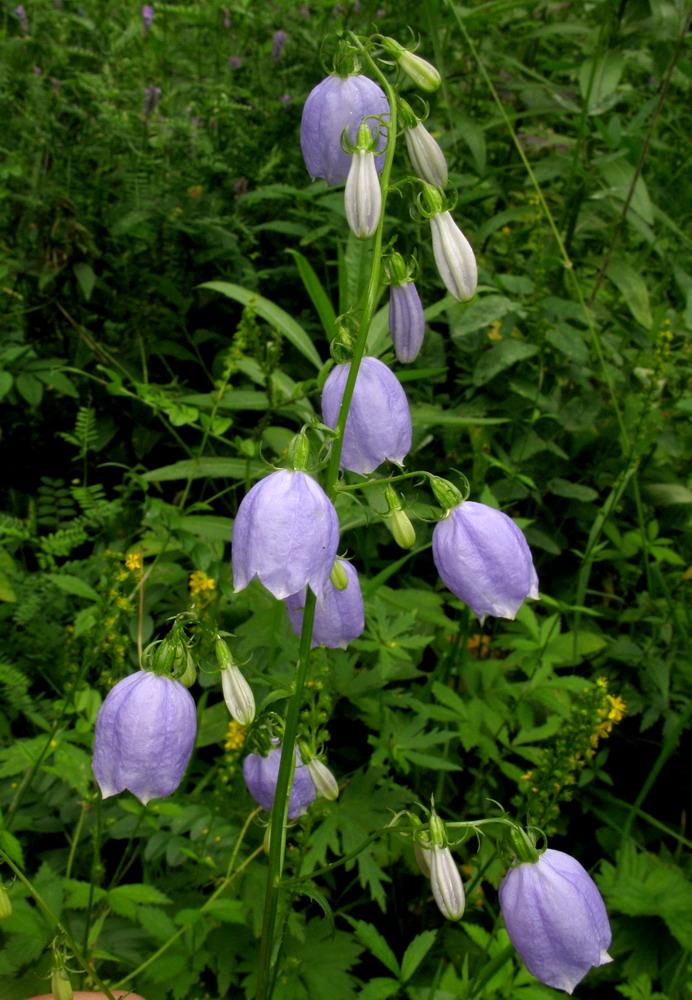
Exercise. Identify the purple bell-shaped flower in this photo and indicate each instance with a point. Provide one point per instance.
(335, 104)
(406, 321)
(145, 732)
(339, 614)
(378, 427)
(286, 533)
(556, 919)
(483, 558)
(261, 774)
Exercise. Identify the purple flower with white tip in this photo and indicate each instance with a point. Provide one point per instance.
(455, 260)
(427, 159)
(339, 616)
(484, 559)
(406, 321)
(286, 533)
(363, 195)
(335, 104)
(556, 919)
(145, 732)
(261, 774)
(378, 427)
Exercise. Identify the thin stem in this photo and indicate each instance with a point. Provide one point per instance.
(69, 940)
(75, 840)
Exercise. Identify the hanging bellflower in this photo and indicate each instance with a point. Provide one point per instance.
(145, 732)
(482, 556)
(336, 104)
(363, 195)
(427, 159)
(378, 427)
(261, 774)
(406, 319)
(285, 533)
(339, 616)
(555, 918)
(455, 260)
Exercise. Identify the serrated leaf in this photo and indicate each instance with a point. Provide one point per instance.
(375, 943)
(379, 988)
(632, 287)
(499, 358)
(416, 952)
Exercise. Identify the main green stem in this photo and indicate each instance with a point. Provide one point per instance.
(277, 839)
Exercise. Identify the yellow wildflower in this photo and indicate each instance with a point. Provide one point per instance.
(199, 582)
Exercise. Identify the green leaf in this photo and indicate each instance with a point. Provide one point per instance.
(598, 79)
(379, 988)
(668, 494)
(209, 526)
(633, 289)
(86, 279)
(12, 847)
(415, 953)
(73, 585)
(203, 468)
(29, 388)
(317, 293)
(6, 591)
(570, 648)
(230, 911)
(501, 357)
(274, 315)
(573, 491)
(6, 381)
(124, 898)
(618, 175)
(375, 943)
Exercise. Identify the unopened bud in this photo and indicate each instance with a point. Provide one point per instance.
(324, 781)
(403, 532)
(423, 73)
(189, 675)
(60, 985)
(338, 575)
(446, 883)
(421, 851)
(446, 494)
(238, 696)
(5, 904)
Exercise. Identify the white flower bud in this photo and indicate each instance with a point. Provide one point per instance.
(238, 695)
(454, 257)
(363, 196)
(445, 882)
(427, 159)
(324, 781)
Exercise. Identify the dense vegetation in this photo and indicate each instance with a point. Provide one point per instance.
(170, 282)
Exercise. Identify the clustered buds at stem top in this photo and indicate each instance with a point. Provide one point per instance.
(556, 919)
(423, 73)
(145, 732)
(378, 427)
(363, 195)
(286, 533)
(427, 159)
(261, 774)
(454, 257)
(237, 693)
(335, 104)
(339, 616)
(406, 319)
(484, 559)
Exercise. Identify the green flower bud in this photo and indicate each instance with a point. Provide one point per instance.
(423, 73)
(339, 576)
(60, 985)
(5, 904)
(446, 493)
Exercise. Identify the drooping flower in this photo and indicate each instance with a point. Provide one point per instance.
(335, 104)
(556, 919)
(237, 693)
(20, 14)
(286, 533)
(235, 62)
(324, 781)
(445, 882)
(427, 159)
(363, 195)
(406, 321)
(261, 774)
(454, 257)
(145, 731)
(484, 559)
(378, 427)
(339, 614)
(147, 16)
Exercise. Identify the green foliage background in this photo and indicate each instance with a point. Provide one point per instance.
(169, 279)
